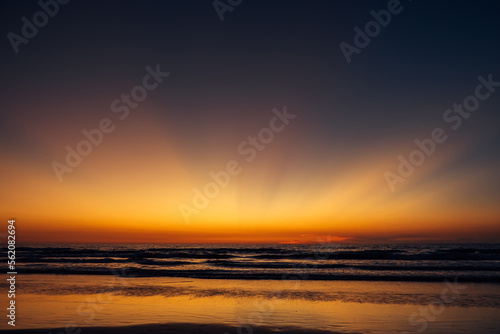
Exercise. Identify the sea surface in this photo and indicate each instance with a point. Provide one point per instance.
(397, 262)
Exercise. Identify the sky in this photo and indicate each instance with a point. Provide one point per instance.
(250, 121)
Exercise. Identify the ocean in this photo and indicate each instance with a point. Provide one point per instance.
(432, 263)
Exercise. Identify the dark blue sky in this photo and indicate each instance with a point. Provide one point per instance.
(266, 52)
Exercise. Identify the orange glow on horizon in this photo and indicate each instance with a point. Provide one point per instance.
(281, 197)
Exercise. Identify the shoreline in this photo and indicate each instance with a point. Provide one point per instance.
(291, 277)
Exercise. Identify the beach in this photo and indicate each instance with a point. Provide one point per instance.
(110, 304)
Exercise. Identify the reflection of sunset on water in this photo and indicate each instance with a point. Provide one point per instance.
(347, 306)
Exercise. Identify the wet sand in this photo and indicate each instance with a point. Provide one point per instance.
(172, 329)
